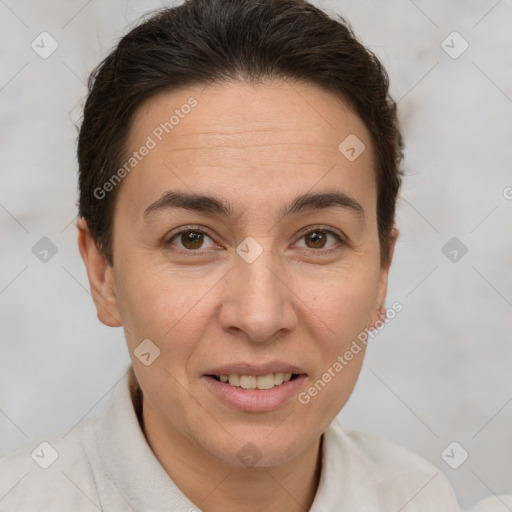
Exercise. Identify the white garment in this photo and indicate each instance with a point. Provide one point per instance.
(106, 464)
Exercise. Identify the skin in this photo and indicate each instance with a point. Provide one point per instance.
(257, 148)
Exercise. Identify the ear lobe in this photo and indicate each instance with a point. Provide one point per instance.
(100, 275)
(380, 309)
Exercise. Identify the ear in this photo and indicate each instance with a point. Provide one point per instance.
(380, 308)
(101, 277)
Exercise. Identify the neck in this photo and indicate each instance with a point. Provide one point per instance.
(216, 486)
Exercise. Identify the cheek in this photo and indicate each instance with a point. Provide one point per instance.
(345, 308)
(327, 391)
(162, 306)
(345, 303)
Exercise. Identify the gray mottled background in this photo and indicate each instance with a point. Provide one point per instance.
(439, 372)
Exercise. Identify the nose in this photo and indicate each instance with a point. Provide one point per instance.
(258, 300)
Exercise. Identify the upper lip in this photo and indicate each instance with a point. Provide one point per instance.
(255, 369)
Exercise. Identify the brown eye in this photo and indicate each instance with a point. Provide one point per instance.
(317, 239)
(190, 240)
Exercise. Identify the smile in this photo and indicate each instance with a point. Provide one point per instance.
(268, 381)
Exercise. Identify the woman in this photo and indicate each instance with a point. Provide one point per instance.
(239, 168)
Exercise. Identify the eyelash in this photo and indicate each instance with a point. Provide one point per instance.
(313, 229)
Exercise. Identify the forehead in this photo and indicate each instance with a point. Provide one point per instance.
(246, 142)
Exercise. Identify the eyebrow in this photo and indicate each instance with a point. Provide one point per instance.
(210, 205)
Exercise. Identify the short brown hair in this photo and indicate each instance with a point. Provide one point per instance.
(206, 41)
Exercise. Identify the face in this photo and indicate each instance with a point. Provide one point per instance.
(245, 249)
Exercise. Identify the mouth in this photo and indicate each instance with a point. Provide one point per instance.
(262, 382)
(255, 388)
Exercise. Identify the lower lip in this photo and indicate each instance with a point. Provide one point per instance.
(254, 400)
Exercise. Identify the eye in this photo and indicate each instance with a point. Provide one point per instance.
(190, 240)
(317, 238)
(195, 240)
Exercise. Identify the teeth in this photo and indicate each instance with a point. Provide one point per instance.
(234, 380)
(248, 382)
(265, 381)
(252, 382)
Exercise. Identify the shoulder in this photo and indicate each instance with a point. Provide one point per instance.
(392, 475)
(379, 453)
(50, 473)
(496, 503)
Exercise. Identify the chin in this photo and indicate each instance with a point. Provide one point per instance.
(257, 446)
